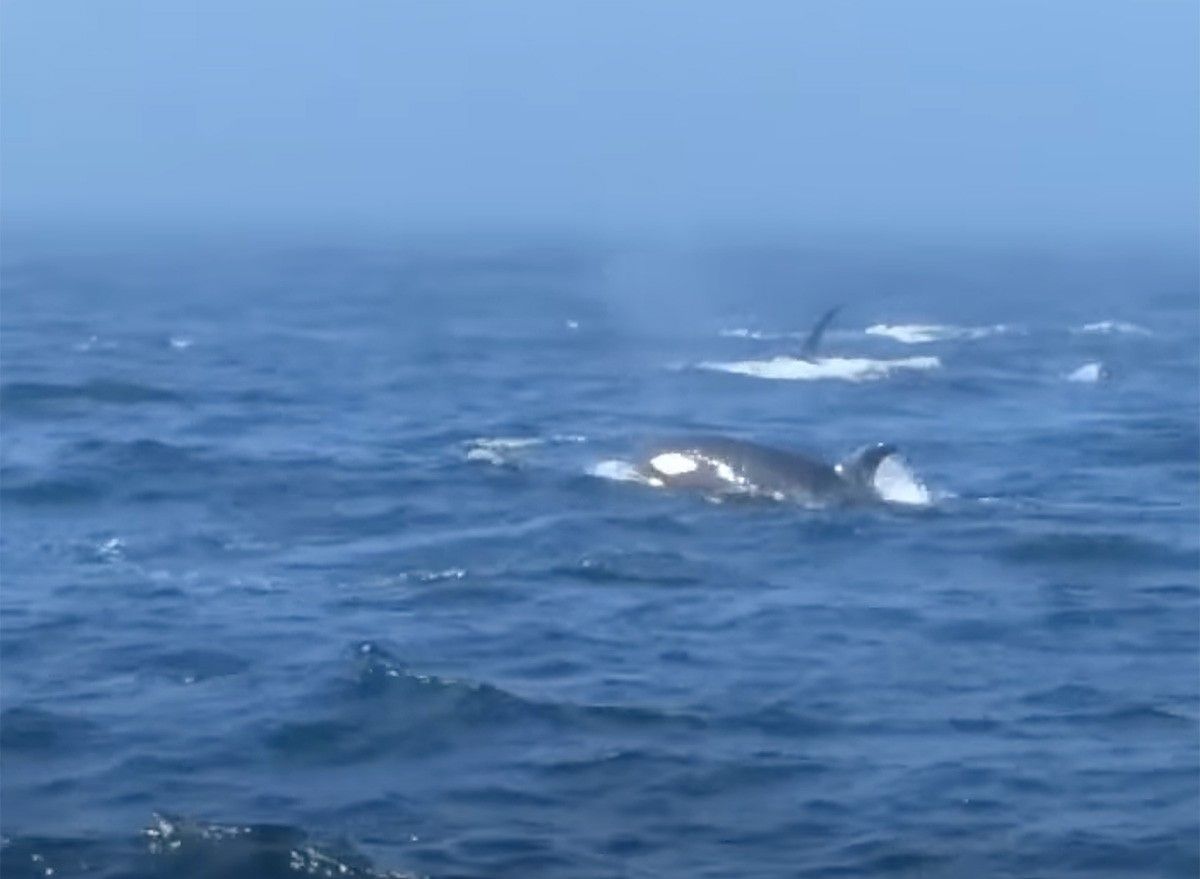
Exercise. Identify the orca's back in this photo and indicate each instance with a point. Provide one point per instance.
(766, 468)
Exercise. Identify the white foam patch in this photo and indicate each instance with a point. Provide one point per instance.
(487, 456)
(744, 333)
(500, 443)
(855, 369)
(111, 550)
(95, 343)
(1108, 327)
(499, 450)
(435, 576)
(897, 484)
(673, 463)
(1089, 373)
(180, 343)
(919, 334)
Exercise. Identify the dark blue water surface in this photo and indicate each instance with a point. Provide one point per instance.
(313, 564)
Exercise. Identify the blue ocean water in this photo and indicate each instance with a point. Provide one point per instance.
(320, 561)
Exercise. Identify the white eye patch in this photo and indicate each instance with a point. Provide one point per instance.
(673, 463)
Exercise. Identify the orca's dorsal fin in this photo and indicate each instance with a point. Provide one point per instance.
(859, 467)
(809, 349)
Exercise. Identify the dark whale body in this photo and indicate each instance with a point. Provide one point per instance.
(725, 466)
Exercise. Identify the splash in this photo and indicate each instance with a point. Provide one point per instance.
(918, 334)
(854, 369)
(896, 483)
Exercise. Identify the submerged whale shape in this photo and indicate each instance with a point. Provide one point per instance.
(724, 466)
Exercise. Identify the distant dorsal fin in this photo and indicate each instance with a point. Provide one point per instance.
(809, 349)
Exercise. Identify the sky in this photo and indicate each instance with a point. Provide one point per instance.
(971, 119)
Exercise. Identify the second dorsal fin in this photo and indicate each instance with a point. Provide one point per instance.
(809, 349)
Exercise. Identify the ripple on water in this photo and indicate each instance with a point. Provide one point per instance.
(30, 729)
(27, 397)
(183, 847)
(386, 708)
(1097, 549)
(50, 490)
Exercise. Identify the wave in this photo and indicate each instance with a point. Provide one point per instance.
(634, 568)
(1129, 715)
(1111, 327)
(52, 490)
(143, 454)
(1109, 549)
(853, 369)
(917, 334)
(388, 708)
(96, 391)
(199, 848)
(27, 728)
(89, 470)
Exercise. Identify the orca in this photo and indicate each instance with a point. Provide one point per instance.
(723, 466)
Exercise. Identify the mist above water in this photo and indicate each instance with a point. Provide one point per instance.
(1009, 121)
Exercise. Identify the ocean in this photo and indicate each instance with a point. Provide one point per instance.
(333, 560)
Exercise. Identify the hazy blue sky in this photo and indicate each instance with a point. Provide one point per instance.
(975, 117)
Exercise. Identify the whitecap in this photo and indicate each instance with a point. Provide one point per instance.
(180, 343)
(1089, 373)
(1109, 327)
(917, 334)
(855, 369)
(896, 483)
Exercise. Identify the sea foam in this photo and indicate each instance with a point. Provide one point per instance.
(854, 369)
